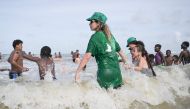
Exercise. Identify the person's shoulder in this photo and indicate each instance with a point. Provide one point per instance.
(161, 53)
(51, 59)
(16, 52)
(143, 60)
(183, 52)
(98, 34)
(186, 51)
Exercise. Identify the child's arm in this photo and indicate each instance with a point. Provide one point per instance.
(4, 70)
(123, 57)
(29, 57)
(162, 56)
(180, 57)
(53, 71)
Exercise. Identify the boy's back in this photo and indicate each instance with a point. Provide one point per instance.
(185, 57)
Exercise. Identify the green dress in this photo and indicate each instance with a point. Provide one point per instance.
(105, 52)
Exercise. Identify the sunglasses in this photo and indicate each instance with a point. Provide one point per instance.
(92, 21)
(132, 49)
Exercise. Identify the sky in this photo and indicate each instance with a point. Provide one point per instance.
(62, 25)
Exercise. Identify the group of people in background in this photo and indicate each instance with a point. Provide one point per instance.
(44, 62)
(104, 47)
(169, 59)
(57, 55)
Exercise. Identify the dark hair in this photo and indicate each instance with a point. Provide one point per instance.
(151, 56)
(45, 52)
(158, 45)
(185, 44)
(176, 56)
(141, 47)
(16, 42)
(168, 50)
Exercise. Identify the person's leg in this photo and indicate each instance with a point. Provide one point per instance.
(19, 74)
(12, 75)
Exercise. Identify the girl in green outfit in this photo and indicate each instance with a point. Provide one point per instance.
(104, 48)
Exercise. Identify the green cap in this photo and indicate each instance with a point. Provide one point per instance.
(130, 40)
(98, 16)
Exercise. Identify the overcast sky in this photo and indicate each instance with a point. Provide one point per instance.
(62, 25)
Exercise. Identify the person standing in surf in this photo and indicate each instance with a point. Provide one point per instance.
(16, 60)
(159, 57)
(45, 63)
(168, 58)
(175, 60)
(104, 48)
(140, 57)
(184, 56)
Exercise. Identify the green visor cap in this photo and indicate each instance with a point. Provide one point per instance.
(99, 17)
(130, 40)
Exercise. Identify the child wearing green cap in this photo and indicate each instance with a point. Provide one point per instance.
(104, 48)
(140, 57)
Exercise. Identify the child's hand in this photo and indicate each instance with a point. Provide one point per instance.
(127, 66)
(24, 69)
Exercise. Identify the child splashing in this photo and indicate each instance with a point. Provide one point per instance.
(45, 64)
(48, 72)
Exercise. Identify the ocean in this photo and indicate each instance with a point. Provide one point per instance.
(169, 90)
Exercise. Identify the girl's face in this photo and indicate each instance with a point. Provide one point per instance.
(134, 52)
(94, 25)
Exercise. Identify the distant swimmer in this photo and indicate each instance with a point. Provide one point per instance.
(75, 54)
(59, 55)
(77, 59)
(55, 55)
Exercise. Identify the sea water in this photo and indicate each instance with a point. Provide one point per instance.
(169, 90)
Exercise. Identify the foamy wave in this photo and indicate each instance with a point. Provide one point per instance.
(138, 91)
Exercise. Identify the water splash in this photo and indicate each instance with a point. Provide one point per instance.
(139, 91)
